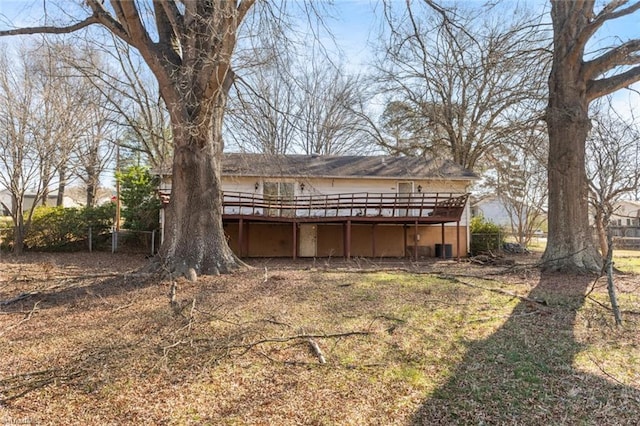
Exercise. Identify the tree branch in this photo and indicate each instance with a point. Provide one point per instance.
(608, 13)
(93, 19)
(605, 86)
(620, 55)
(243, 8)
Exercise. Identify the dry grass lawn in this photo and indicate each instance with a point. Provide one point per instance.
(84, 339)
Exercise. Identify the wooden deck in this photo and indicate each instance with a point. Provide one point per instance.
(357, 207)
(346, 209)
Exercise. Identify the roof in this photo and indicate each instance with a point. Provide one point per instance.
(263, 165)
(635, 203)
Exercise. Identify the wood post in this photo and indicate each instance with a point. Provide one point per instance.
(347, 245)
(458, 239)
(415, 242)
(404, 232)
(240, 238)
(295, 239)
(373, 240)
(443, 252)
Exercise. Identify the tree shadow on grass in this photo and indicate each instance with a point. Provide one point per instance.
(70, 291)
(524, 373)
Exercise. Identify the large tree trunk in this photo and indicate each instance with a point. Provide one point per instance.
(570, 244)
(194, 236)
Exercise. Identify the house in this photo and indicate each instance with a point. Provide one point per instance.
(6, 202)
(344, 206)
(492, 209)
(625, 223)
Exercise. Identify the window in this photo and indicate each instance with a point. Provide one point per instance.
(278, 193)
(404, 197)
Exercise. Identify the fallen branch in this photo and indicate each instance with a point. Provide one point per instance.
(248, 346)
(317, 351)
(608, 308)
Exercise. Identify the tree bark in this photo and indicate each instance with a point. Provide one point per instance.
(570, 244)
(18, 225)
(62, 183)
(91, 192)
(601, 229)
(194, 235)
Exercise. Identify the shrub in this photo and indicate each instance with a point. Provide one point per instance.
(58, 228)
(138, 193)
(485, 235)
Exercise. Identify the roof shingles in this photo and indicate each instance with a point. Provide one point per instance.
(341, 166)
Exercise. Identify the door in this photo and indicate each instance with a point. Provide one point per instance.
(404, 197)
(308, 246)
(278, 195)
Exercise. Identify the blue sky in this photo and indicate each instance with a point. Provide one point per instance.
(355, 25)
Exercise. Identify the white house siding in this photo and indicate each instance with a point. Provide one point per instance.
(494, 211)
(627, 213)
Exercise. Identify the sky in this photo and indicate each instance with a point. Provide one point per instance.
(354, 25)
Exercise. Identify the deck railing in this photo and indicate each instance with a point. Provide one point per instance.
(363, 204)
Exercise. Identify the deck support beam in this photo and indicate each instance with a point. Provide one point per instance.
(347, 240)
(458, 239)
(240, 238)
(373, 240)
(294, 226)
(415, 241)
(443, 251)
(404, 234)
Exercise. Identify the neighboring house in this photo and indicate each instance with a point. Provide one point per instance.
(625, 221)
(77, 196)
(492, 209)
(6, 202)
(322, 206)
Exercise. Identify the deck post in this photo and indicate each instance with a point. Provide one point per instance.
(443, 252)
(347, 245)
(240, 237)
(415, 242)
(295, 239)
(404, 234)
(458, 239)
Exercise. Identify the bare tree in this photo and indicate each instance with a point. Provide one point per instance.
(262, 112)
(290, 107)
(613, 166)
(577, 78)
(456, 83)
(58, 119)
(521, 181)
(330, 117)
(130, 93)
(95, 148)
(188, 46)
(37, 121)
